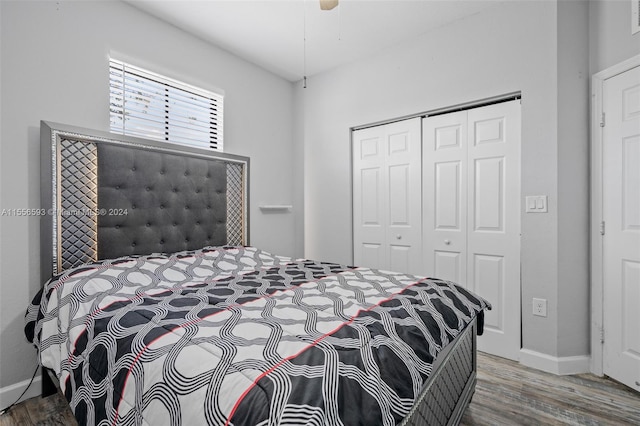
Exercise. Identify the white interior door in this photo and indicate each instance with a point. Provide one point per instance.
(471, 210)
(621, 214)
(386, 196)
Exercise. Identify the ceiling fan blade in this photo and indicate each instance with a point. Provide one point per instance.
(328, 4)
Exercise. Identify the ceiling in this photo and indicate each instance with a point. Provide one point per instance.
(293, 38)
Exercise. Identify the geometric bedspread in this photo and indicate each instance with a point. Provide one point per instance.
(237, 336)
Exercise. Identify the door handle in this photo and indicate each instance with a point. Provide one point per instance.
(447, 242)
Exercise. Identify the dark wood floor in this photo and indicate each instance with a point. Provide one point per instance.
(506, 394)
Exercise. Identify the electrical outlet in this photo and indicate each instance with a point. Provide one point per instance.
(540, 307)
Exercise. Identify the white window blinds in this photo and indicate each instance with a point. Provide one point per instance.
(145, 104)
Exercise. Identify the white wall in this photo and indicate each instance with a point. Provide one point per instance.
(54, 59)
(610, 39)
(513, 47)
(573, 178)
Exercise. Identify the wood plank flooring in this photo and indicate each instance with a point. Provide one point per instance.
(506, 394)
(510, 394)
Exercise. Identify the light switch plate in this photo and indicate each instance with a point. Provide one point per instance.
(536, 204)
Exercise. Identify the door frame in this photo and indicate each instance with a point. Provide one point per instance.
(597, 270)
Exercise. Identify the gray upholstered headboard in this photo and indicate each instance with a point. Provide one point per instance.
(106, 196)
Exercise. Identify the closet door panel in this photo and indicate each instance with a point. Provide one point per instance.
(489, 279)
(369, 198)
(471, 212)
(399, 257)
(371, 254)
(404, 186)
(448, 188)
(444, 199)
(488, 202)
(449, 266)
(399, 200)
(386, 196)
(493, 237)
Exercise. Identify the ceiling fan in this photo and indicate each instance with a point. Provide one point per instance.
(328, 4)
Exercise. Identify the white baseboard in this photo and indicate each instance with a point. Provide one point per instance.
(9, 394)
(556, 365)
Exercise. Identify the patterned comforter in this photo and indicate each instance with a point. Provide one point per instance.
(237, 336)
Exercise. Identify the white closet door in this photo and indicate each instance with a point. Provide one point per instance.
(386, 196)
(493, 244)
(444, 150)
(471, 210)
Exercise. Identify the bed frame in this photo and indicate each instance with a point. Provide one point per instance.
(108, 195)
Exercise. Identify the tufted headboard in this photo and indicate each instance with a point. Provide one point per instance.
(105, 196)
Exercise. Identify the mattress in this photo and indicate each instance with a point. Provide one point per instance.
(236, 335)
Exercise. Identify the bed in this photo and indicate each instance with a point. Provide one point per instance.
(156, 310)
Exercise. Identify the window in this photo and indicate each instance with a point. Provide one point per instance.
(145, 104)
